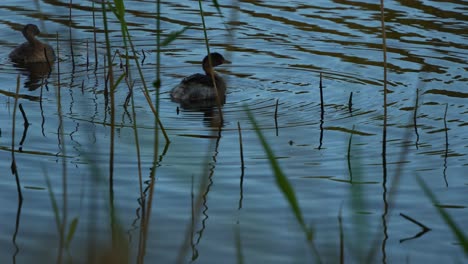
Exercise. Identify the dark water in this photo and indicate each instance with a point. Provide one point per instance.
(278, 52)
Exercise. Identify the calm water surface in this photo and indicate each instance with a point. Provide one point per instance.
(278, 52)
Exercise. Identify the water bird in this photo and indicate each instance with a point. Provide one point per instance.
(32, 51)
(199, 87)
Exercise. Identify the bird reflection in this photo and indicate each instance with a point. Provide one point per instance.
(36, 73)
(211, 116)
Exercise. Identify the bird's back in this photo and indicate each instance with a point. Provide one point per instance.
(27, 53)
(198, 87)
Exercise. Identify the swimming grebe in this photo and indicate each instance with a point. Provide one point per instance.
(199, 87)
(33, 50)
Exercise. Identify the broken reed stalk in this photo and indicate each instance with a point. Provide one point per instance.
(424, 227)
(415, 117)
(350, 171)
(241, 148)
(87, 55)
(25, 118)
(14, 169)
(276, 116)
(276, 109)
(446, 136)
(322, 112)
(26, 126)
(321, 96)
(350, 102)
(144, 56)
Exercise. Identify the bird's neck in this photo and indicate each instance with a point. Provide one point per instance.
(208, 70)
(32, 39)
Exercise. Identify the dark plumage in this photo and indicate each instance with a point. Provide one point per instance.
(33, 50)
(199, 87)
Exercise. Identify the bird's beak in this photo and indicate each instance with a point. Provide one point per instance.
(226, 61)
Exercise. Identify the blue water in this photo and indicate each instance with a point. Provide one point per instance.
(278, 51)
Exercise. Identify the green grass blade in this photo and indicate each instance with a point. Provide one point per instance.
(172, 36)
(120, 8)
(239, 254)
(119, 12)
(281, 179)
(216, 4)
(119, 80)
(53, 201)
(71, 232)
(457, 231)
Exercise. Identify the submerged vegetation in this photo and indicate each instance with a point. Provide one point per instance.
(117, 249)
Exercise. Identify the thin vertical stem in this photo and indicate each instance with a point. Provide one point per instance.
(112, 121)
(340, 225)
(218, 100)
(241, 148)
(276, 116)
(157, 124)
(384, 137)
(415, 117)
(384, 48)
(64, 161)
(70, 34)
(111, 93)
(446, 145)
(322, 112)
(158, 82)
(321, 96)
(96, 61)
